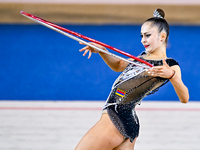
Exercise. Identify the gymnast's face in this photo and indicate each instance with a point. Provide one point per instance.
(150, 37)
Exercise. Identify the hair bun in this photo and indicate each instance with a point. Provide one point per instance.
(159, 13)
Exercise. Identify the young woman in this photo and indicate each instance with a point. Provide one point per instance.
(118, 127)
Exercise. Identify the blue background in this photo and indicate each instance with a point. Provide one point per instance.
(37, 63)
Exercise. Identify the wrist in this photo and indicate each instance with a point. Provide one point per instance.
(174, 72)
(101, 52)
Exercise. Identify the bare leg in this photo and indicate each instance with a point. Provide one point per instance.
(102, 136)
(126, 145)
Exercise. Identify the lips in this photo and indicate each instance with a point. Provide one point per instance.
(146, 46)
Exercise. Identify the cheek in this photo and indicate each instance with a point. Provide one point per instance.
(153, 40)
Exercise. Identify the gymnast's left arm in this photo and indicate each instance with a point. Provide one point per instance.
(172, 73)
(179, 87)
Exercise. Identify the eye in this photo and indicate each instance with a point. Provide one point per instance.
(148, 35)
(141, 36)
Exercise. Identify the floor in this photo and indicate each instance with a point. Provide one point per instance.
(59, 125)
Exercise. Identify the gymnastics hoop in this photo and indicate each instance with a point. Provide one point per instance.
(66, 32)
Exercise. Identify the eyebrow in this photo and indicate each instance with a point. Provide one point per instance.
(145, 33)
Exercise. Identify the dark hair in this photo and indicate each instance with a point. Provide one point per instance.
(159, 21)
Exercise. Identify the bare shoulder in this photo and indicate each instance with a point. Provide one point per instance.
(176, 67)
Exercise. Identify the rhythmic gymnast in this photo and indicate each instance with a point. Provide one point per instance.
(118, 127)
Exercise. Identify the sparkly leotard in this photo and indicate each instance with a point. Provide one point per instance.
(128, 90)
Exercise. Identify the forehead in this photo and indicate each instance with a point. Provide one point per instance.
(148, 27)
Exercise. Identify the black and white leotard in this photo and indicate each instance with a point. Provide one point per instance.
(132, 85)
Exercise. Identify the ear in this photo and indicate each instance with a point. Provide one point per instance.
(163, 36)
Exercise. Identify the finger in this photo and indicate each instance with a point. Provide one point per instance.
(164, 62)
(150, 72)
(85, 52)
(84, 48)
(81, 43)
(90, 54)
(156, 68)
(154, 72)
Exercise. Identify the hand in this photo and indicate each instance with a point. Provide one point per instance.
(90, 49)
(163, 71)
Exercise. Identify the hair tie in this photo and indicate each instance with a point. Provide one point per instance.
(157, 14)
(172, 75)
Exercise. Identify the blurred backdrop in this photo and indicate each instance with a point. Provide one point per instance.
(37, 63)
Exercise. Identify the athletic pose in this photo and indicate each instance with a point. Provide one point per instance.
(118, 127)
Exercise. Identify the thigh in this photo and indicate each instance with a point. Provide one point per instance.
(103, 135)
(126, 145)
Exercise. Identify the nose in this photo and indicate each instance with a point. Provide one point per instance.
(143, 40)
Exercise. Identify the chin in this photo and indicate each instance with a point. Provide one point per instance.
(149, 51)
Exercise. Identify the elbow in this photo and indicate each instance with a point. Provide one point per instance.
(116, 69)
(119, 67)
(185, 99)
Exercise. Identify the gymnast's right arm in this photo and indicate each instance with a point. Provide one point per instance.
(114, 63)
